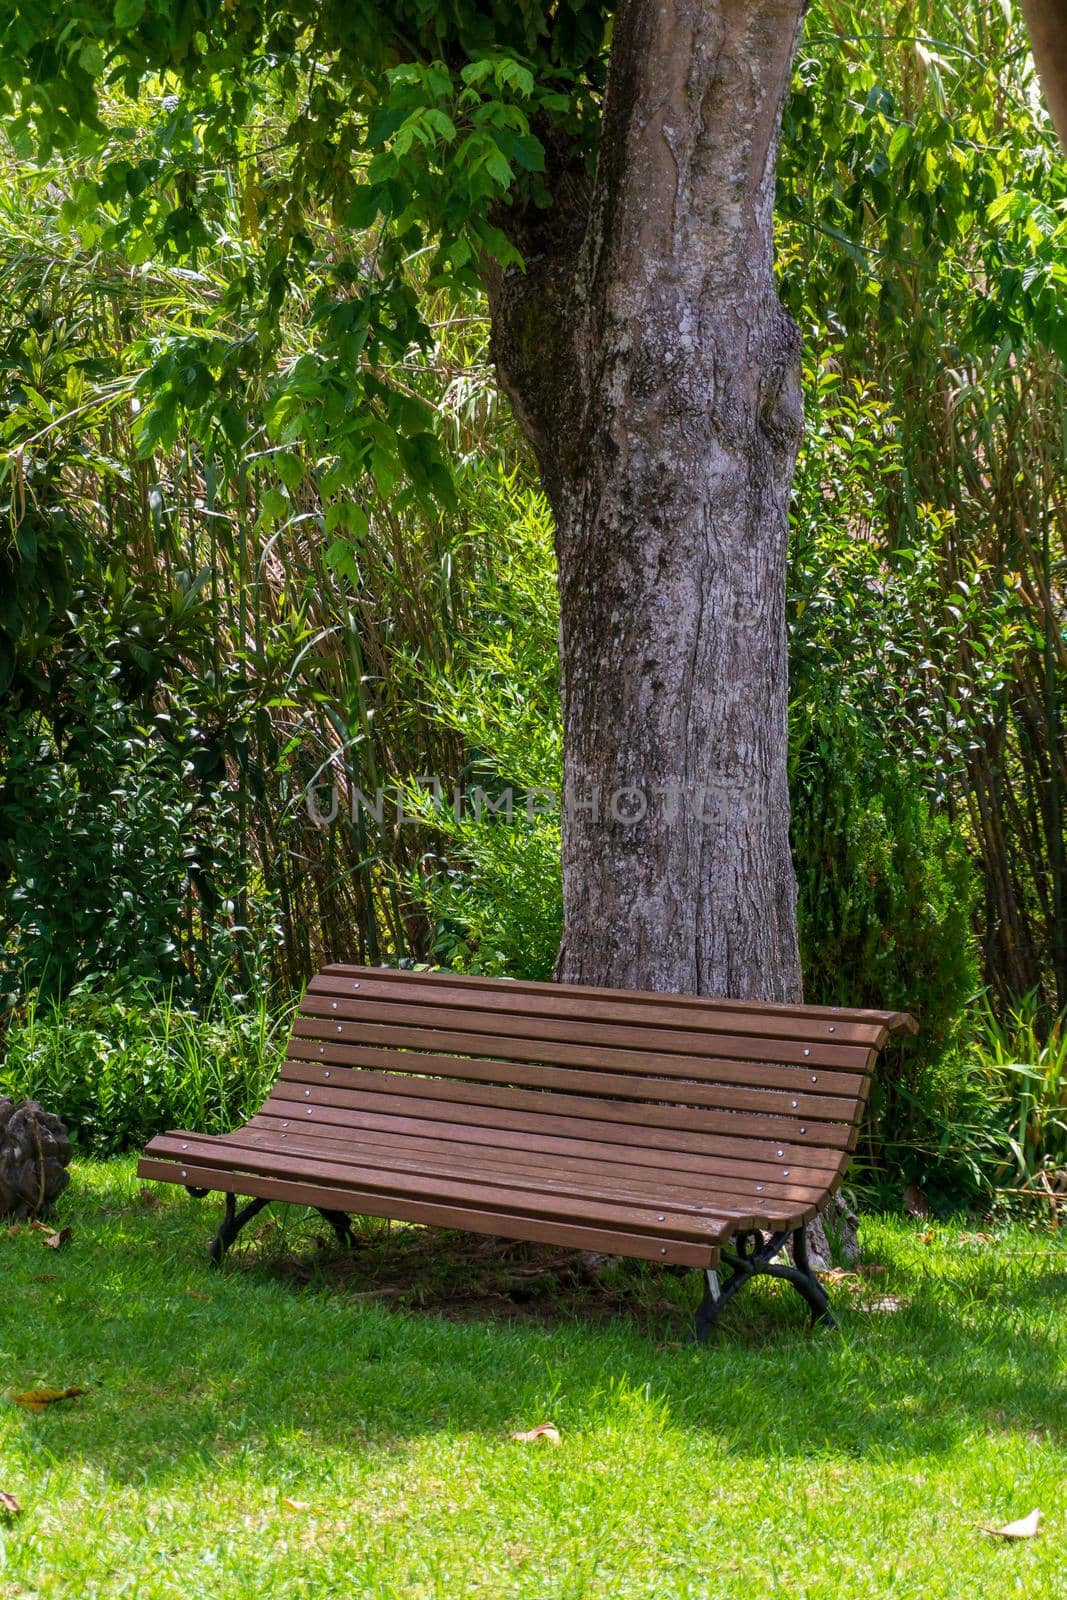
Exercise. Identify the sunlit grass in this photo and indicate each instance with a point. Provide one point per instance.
(276, 1432)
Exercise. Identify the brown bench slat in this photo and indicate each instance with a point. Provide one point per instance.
(473, 1143)
(627, 1086)
(793, 1156)
(494, 1157)
(418, 989)
(631, 1217)
(530, 1173)
(896, 1021)
(450, 1042)
(679, 1252)
(529, 1179)
(507, 1031)
(757, 1074)
(783, 1124)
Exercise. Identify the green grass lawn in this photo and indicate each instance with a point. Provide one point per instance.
(277, 1430)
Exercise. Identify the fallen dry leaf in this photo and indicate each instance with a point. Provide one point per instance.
(14, 1231)
(148, 1198)
(9, 1505)
(197, 1295)
(888, 1302)
(544, 1430)
(870, 1269)
(297, 1505)
(915, 1201)
(45, 1277)
(1025, 1528)
(37, 1399)
(56, 1241)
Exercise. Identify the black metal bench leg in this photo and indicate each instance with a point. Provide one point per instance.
(805, 1281)
(232, 1224)
(710, 1308)
(716, 1296)
(341, 1224)
(751, 1256)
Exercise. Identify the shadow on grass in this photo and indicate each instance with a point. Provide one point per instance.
(421, 1333)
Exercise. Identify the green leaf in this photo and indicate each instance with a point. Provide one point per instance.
(441, 124)
(274, 505)
(498, 167)
(898, 144)
(290, 469)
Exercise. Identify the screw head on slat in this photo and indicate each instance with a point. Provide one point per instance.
(663, 1252)
(661, 1219)
(814, 1079)
(184, 1173)
(334, 1005)
(326, 1074)
(831, 1029)
(785, 1172)
(759, 1188)
(339, 1027)
(793, 1104)
(807, 1052)
(309, 1111)
(803, 1130)
(355, 986)
(781, 1152)
(307, 1096)
(185, 1147)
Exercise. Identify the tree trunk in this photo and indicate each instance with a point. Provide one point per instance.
(657, 376)
(1046, 23)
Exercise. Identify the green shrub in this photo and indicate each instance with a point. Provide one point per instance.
(984, 1120)
(118, 858)
(884, 896)
(492, 887)
(1020, 1061)
(119, 1068)
(884, 884)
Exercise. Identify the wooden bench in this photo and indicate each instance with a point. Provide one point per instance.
(672, 1128)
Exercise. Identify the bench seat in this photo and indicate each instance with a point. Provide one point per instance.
(664, 1127)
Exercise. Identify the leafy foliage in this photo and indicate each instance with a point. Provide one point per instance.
(118, 1066)
(938, 174)
(413, 121)
(885, 888)
(1022, 1067)
(247, 425)
(123, 856)
(923, 207)
(492, 886)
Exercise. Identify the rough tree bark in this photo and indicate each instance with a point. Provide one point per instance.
(656, 374)
(1046, 23)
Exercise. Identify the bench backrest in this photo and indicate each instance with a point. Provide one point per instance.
(771, 1091)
